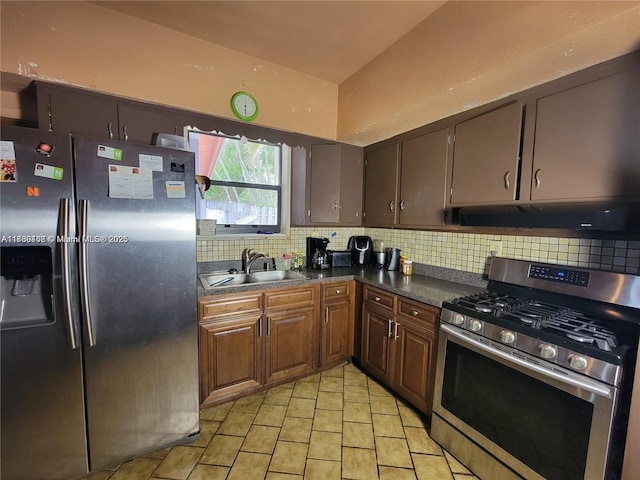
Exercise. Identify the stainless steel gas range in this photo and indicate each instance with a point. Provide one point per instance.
(534, 375)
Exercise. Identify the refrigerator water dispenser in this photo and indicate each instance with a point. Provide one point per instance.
(27, 287)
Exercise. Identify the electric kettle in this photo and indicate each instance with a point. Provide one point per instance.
(392, 261)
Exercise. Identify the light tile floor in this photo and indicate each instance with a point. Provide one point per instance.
(338, 424)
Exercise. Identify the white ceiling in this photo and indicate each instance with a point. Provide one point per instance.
(329, 40)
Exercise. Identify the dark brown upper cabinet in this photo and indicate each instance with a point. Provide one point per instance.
(405, 183)
(141, 124)
(81, 112)
(326, 184)
(335, 195)
(423, 179)
(76, 111)
(587, 141)
(382, 172)
(486, 157)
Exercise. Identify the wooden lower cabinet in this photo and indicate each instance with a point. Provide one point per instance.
(399, 339)
(251, 340)
(336, 342)
(289, 344)
(376, 342)
(415, 359)
(230, 357)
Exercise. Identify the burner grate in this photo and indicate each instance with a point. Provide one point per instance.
(568, 323)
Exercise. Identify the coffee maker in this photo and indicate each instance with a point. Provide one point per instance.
(317, 255)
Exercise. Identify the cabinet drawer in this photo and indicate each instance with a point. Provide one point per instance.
(379, 297)
(226, 306)
(418, 311)
(290, 297)
(336, 291)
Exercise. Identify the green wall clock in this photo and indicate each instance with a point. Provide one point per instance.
(244, 106)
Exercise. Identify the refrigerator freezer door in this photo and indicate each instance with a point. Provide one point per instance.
(138, 274)
(43, 424)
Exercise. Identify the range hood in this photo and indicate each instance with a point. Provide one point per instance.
(597, 217)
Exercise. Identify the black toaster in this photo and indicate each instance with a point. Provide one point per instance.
(340, 258)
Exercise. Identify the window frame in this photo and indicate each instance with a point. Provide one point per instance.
(282, 190)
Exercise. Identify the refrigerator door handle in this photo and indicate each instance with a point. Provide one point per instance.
(63, 228)
(83, 206)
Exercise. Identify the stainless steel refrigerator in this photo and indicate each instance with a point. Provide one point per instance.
(98, 325)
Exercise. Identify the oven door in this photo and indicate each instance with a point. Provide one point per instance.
(541, 423)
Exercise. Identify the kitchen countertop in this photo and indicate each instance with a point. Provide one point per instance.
(422, 288)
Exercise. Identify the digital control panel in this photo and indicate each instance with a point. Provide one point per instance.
(559, 274)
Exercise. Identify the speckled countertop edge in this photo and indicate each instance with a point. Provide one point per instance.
(422, 288)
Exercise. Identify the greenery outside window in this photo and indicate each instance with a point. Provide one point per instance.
(245, 195)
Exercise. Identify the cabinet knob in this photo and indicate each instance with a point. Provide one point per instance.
(377, 299)
(415, 313)
(392, 205)
(402, 205)
(337, 291)
(537, 177)
(124, 131)
(506, 180)
(110, 130)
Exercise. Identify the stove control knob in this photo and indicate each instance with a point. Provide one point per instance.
(578, 362)
(458, 319)
(548, 351)
(507, 336)
(475, 325)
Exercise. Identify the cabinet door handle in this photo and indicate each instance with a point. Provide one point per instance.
(110, 129)
(260, 327)
(389, 328)
(268, 326)
(392, 205)
(124, 131)
(402, 205)
(506, 180)
(326, 314)
(537, 177)
(395, 331)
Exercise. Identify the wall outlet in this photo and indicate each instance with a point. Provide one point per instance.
(495, 248)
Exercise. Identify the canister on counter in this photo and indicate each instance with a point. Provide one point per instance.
(407, 267)
(401, 264)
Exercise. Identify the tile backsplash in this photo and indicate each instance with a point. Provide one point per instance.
(459, 251)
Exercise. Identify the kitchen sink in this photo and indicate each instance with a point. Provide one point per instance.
(221, 279)
(274, 276)
(215, 280)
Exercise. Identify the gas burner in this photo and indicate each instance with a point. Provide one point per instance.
(567, 323)
(489, 302)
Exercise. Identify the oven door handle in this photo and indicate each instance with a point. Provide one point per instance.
(590, 386)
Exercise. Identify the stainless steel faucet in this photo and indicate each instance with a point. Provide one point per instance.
(253, 258)
(246, 256)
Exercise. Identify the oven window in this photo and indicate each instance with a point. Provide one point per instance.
(545, 428)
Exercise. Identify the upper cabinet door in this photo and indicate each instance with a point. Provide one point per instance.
(140, 124)
(423, 179)
(78, 113)
(486, 157)
(587, 141)
(336, 185)
(381, 186)
(325, 183)
(351, 190)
